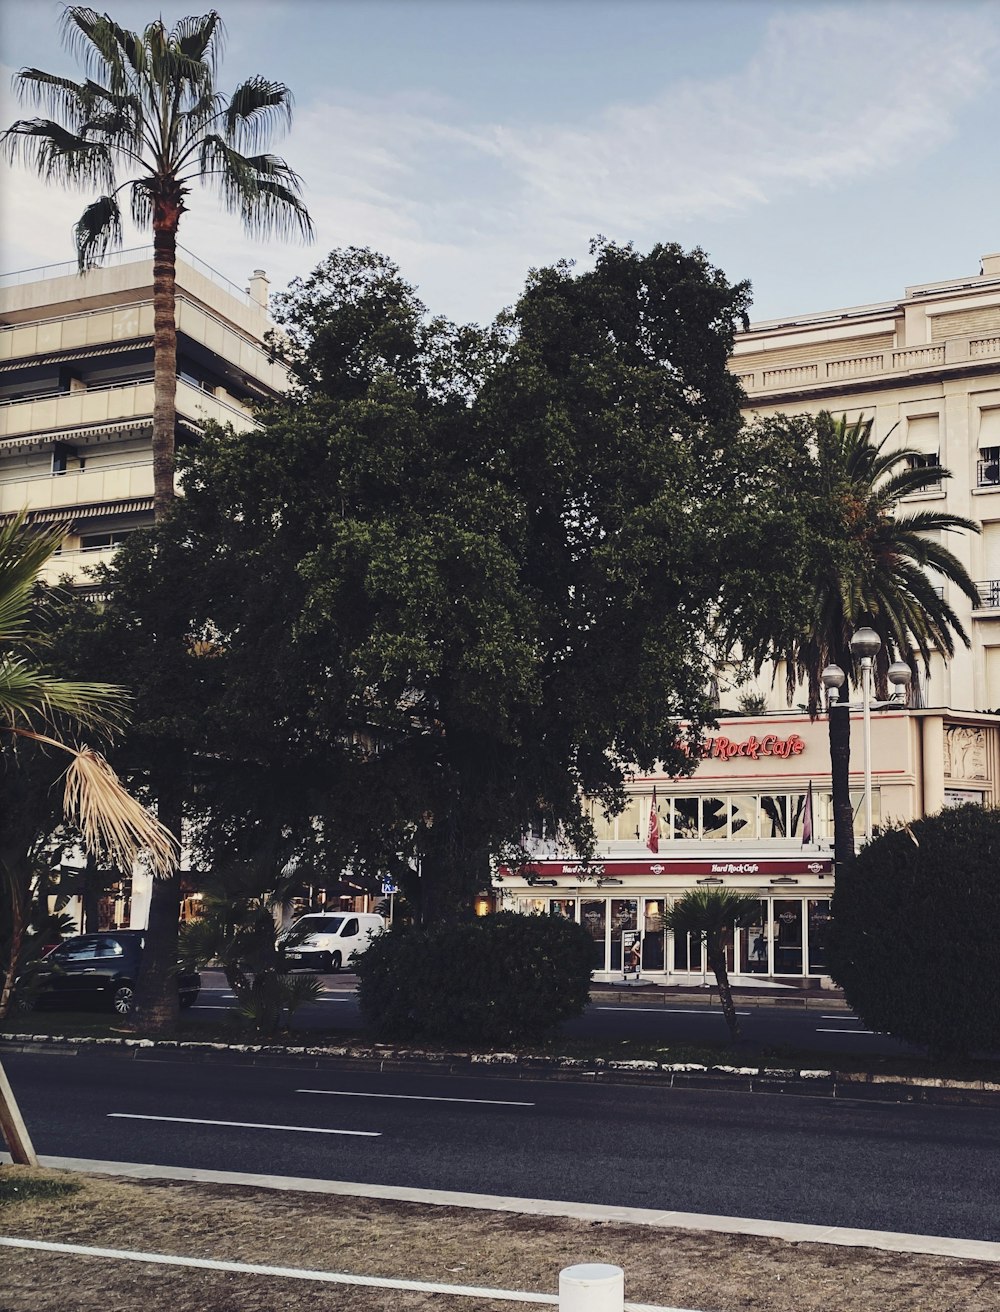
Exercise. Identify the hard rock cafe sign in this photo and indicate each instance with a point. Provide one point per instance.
(753, 748)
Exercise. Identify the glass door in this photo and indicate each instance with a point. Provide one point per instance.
(752, 941)
(788, 936)
(624, 923)
(593, 917)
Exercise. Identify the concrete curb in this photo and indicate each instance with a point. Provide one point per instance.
(867, 1085)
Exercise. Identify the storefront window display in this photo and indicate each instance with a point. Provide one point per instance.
(787, 936)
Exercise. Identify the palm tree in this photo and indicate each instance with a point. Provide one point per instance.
(707, 914)
(111, 822)
(871, 565)
(149, 105)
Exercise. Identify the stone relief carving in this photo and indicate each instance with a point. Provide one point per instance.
(964, 752)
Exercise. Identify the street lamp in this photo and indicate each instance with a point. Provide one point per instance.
(865, 645)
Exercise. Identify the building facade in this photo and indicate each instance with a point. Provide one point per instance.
(76, 389)
(926, 369)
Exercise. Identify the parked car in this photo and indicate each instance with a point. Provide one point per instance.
(95, 970)
(324, 940)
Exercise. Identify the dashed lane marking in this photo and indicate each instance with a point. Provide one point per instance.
(246, 1125)
(416, 1097)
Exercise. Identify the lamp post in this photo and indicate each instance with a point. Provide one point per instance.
(833, 679)
(865, 645)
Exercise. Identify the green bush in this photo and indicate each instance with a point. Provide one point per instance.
(504, 978)
(915, 939)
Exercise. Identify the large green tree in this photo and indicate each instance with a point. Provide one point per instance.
(149, 107)
(472, 569)
(863, 558)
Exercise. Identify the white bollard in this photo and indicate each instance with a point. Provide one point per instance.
(592, 1287)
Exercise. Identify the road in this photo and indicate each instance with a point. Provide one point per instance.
(644, 1016)
(899, 1167)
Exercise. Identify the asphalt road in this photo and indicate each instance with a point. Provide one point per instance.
(646, 1015)
(900, 1167)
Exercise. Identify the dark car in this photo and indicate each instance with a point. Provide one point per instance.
(95, 970)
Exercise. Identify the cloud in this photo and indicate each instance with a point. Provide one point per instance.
(829, 99)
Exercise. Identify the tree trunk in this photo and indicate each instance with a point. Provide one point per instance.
(17, 927)
(156, 1005)
(717, 960)
(165, 222)
(91, 883)
(839, 720)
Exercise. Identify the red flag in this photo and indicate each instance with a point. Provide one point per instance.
(807, 817)
(653, 832)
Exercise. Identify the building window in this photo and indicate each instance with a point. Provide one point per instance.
(101, 541)
(988, 467)
(926, 460)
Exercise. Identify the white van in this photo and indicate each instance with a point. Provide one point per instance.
(332, 937)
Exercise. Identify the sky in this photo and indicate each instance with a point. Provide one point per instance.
(832, 154)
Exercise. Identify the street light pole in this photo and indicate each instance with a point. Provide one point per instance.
(865, 644)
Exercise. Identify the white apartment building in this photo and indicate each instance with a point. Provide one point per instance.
(926, 368)
(76, 389)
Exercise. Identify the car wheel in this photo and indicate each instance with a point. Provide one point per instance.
(25, 1002)
(335, 962)
(121, 999)
(188, 1000)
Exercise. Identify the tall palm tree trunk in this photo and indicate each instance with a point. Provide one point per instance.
(839, 720)
(165, 220)
(156, 1003)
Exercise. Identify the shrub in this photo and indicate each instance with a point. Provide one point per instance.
(915, 939)
(504, 978)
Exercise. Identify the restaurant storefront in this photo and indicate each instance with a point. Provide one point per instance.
(755, 816)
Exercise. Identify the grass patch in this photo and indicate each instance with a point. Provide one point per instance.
(19, 1184)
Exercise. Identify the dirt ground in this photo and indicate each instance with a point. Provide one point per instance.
(681, 1268)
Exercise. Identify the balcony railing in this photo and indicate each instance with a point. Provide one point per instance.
(989, 594)
(94, 406)
(77, 487)
(115, 258)
(889, 361)
(114, 328)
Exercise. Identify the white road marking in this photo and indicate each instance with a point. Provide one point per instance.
(669, 1011)
(846, 1020)
(286, 1272)
(416, 1097)
(822, 1031)
(246, 1125)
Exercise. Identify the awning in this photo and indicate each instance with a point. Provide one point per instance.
(27, 443)
(78, 353)
(94, 510)
(686, 867)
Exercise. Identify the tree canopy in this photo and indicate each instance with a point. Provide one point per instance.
(462, 576)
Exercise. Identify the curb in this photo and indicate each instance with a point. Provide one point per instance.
(867, 1085)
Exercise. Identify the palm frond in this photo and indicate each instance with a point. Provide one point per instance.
(98, 229)
(256, 108)
(57, 153)
(201, 39)
(27, 694)
(114, 826)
